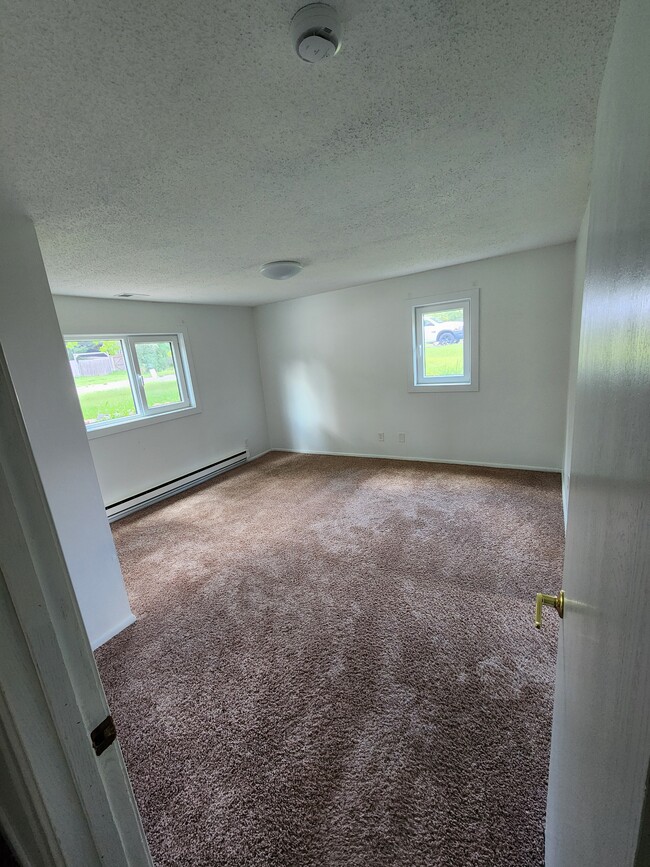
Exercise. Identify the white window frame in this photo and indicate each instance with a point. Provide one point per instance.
(468, 301)
(144, 413)
(138, 377)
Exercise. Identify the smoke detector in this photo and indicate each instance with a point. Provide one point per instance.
(316, 32)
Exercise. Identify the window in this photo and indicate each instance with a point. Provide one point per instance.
(445, 343)
(126, 379)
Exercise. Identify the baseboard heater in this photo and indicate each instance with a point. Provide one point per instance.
(167, 489)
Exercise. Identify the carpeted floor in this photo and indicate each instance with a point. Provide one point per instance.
(335, 664)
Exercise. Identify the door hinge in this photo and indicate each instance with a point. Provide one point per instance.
(103, 736)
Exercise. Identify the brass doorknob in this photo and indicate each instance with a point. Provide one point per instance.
(556, 602)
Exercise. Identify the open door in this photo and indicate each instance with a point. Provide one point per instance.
(65, 797)
(597, 813)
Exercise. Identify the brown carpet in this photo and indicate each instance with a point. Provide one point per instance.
(335, 663)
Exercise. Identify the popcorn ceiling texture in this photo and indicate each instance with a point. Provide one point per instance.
(171, 148)
(335, 663)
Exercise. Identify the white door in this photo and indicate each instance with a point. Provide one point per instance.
(64, 801)
(597, 812)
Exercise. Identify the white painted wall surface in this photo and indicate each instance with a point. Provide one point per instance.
(226, 378)
(576, 318)
(335, 367)
(31, 342)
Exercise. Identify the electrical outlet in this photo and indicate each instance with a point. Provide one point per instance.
(401, 438)
(381, 437)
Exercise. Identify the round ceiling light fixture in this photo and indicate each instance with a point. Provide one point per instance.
(281, 270)
(316, 32)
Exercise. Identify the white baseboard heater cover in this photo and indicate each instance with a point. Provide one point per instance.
(167, 489)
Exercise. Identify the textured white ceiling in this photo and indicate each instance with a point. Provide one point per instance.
(170, 148)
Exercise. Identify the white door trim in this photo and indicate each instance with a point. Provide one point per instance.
(60, 804)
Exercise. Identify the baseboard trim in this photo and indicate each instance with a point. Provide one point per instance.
(261, 454)
(424, 460)
(113, 631)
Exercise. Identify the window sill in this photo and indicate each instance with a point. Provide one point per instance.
(123, 426)
(443, 386)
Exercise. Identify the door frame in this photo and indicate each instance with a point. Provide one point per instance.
(60, 803)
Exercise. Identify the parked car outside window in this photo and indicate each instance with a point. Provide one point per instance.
(442, 333)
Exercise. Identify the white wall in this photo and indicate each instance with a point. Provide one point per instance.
(40, 373)
(335, 367)
(576, 318)
(226, 378)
